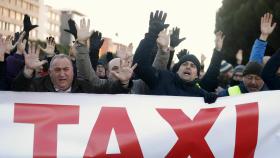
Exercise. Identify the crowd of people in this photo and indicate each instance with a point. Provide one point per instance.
(149, 71)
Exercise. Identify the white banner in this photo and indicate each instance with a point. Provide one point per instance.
(89, 125)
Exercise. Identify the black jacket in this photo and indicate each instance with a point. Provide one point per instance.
(269, 72)
(164, 82)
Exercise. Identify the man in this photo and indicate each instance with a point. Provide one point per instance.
(251, 82)
(101, 70)
(237, 75)
(60, 79)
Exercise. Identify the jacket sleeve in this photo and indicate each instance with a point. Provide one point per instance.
(94, 56)
(22, 83)
(269, 72)
(143, 58)
(85, 71)
(258, 51)
(15, 64)
(161, 60)
(210, 82)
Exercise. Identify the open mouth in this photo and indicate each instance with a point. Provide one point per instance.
(187, 73)
(62, 80)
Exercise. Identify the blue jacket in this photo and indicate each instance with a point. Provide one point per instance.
(258, 51)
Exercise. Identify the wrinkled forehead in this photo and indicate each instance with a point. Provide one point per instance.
(61, 63)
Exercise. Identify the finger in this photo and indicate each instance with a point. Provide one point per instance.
(116, 75)
(156, 15)
(182, 39)
(160, 15)
(134, 66)
(270, 18)
(151, 15)
(38, 51)
(33, 48)
(273, 26)
(164, 17)
(166, 26)
(81, 23)
(42, 62)
(84, 23)
(88, 24)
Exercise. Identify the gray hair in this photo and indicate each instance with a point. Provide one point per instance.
(60, 56)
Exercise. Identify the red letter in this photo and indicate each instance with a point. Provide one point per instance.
(113, 118)
(46, 118)
(246, 130)
(190, 133)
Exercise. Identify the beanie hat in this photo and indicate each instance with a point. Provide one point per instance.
(238, 68)
(253, 68)
(225, 67)
(100, 62)
(187, 57)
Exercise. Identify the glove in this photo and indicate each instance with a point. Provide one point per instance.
(96, 40)
(210, 98)
(109, 56)
(182, 53)
(156, 23)
(174, 37)
(72, 28)
(27, 26)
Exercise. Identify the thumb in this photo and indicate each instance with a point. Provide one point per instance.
(33, 26)
(166, 26)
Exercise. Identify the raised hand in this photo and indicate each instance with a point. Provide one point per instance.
(50, 48)
(182, 53)
(239, 57)
(266, 26)
(156, 23)
(27, 25)
(32, 61)
(96, 40)
(72, 28)
(83, 32)
(174, 38)
(219, 41)
(163, 40)
(202, 59)
(125, 71)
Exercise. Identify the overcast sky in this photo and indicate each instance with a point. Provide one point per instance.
(129, 18)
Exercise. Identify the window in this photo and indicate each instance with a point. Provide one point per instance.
(56, 28)
(1, 23)
(6, 26)
(18, 16)
(12, 14)
(12, 28)
(5, 12)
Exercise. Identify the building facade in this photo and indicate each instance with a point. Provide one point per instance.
(12, 14)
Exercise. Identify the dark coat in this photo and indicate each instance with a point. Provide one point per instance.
(44, 84)
(164, 82)
(269, 72)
